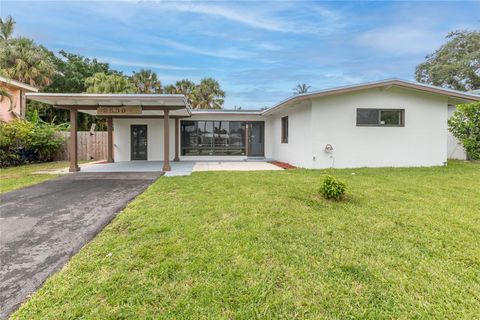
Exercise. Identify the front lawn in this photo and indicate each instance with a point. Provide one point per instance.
(247, 245)
(24, 175)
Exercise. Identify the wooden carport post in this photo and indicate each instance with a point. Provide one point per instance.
(166, 141)
(109, 140)
(73, 141)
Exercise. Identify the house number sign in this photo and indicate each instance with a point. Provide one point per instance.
(126, 110)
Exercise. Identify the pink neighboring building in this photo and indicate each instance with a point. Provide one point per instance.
(15, 107)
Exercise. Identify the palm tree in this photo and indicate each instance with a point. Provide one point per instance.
(109, 83)
(184, 86)
(6, 28)
(301, 88)
(146, 81)
(208, 95)
(21, 59)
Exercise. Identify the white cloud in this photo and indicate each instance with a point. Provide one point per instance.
(250, 18)
(140, 64)
(401, 39)
(230, 53)
(260, 17)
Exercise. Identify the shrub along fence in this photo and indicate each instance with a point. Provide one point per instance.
(91, 146)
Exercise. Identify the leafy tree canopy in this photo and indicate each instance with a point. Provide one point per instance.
(455, 64)
(22, 59)
(109, 83)
(6, 28)
(73, 70)
(146, 81)
(208, 95)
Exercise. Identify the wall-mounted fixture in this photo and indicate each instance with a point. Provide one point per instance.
(328, 148)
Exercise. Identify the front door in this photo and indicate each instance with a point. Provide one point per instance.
(138, 138)
(255, 139)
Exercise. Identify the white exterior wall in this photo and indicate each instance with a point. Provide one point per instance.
(329, 120)
(298, 150)
(122, 146)
(454, 147)
(421, 142)
(121, 138)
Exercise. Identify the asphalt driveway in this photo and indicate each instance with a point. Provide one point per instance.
(43, 225)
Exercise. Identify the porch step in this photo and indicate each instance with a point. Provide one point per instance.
(255, 159)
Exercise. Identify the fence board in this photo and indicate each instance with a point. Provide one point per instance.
(91, 146)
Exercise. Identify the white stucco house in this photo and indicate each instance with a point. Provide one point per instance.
(388, 123)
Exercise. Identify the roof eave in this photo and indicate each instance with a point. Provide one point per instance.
(18, 84)
(371, 85)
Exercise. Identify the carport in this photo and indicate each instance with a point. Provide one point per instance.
(119, 106)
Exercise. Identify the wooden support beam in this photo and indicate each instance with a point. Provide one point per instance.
(109, 140)
(94, 107)
(177, 138)
(166, 141)
(73, 142)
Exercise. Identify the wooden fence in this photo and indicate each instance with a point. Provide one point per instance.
(91, 146)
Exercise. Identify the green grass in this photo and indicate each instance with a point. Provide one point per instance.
(245, 245)
(24, 175)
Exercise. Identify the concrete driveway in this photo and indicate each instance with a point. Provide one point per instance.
(43, 225)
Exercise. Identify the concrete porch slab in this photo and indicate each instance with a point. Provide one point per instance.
(234, 166)
(181, 168)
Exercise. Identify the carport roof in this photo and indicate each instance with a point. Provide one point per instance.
(152, 104)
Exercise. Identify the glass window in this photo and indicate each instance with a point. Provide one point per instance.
(380, 117)
(189, 137)
(391, 117)
(213, 138)
(237, 138)
(285, 130)
(367, 117)
(205, 137)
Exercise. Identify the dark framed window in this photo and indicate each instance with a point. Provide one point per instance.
(380, 117)
(285, 130)
(213, 138)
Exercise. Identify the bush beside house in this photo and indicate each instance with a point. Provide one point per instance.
(23, 141)
(465, 126)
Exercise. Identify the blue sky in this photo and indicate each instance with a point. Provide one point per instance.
(257, 50)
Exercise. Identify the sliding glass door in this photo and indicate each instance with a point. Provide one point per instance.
(209, 138)
(222, 138)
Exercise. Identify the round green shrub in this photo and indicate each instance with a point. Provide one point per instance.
(332, 188)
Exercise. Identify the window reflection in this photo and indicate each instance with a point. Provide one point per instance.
(213, 138)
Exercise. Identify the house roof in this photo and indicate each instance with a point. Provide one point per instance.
(88, 102)
(18, 84)
(376, 84)
(179, 105)
(227, 111)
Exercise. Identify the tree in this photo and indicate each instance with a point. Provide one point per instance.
(146, 81)
(464, 124)
(108, 83)
(21, 59)
(6, 28)
(184, 86)
(73, 70)
(301, 88)
(454, 65)
(208, 95)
